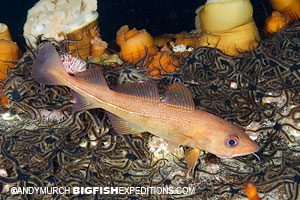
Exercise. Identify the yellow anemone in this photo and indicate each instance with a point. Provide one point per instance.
(228, 26)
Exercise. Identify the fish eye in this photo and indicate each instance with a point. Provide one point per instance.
(232, 141)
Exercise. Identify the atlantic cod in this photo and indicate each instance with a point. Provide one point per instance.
(134, 108)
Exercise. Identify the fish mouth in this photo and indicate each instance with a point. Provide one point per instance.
(235, 155)
(243, 154)
(223, 156)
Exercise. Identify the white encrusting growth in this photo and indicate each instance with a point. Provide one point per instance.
(182, 48)
(54, 18)
(9, 117)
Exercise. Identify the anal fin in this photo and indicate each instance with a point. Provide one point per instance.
(172, 146)
(123, 127)
(191, 158)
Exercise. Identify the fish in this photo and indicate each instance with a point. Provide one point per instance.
(134, 108)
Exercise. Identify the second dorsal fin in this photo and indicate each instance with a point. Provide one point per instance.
(179, 96)
(146, 90)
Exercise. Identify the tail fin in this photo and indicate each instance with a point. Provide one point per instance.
(47, 67)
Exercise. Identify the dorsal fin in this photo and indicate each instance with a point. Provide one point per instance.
(179, 96)
(92, 76)
(146, 90)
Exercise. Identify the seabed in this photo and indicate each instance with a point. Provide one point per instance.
(43, 144)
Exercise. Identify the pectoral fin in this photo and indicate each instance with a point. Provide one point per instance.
(172, 146)
(191, 158)
(123, 127)
(95, 79)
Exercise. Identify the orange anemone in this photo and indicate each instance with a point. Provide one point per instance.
(135, 44)
(163, 63)
(276, 22)
(98, 47)
(163, 40)
(9, 51)
(4, 101)
(289, 8)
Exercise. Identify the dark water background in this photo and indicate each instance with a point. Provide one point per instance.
(156, 16)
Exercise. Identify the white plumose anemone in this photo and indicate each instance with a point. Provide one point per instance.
(54, 18)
